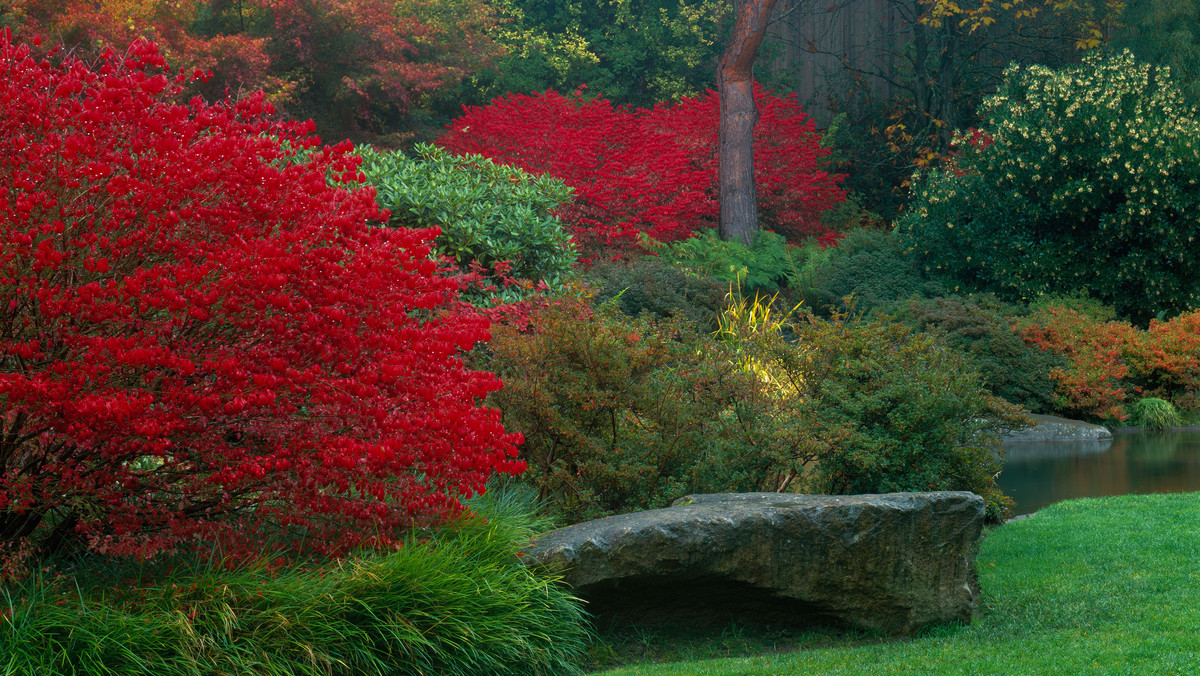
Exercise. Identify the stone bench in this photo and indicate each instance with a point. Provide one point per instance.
(891, 563)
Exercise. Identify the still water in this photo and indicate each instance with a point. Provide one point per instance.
(1038, 474)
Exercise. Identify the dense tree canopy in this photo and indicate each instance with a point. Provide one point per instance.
(636, 52)
(353, 66)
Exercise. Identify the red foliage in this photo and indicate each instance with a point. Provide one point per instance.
(1092, 385)
(202, 340)
(1112, 363)
(979, 138)
(1165, 361)
(651, 171)
(352, 58)
(240, 61)
(793, 189)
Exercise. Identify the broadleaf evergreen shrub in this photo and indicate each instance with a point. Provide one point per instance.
(870, 265)
(1081, 179)
(985, 330)
(486, 213)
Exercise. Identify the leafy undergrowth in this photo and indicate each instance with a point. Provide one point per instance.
(1092, 586)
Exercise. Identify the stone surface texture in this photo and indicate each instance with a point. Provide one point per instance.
(1054, 428)
(890, 563)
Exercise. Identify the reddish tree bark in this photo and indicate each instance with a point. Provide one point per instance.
(735, 85)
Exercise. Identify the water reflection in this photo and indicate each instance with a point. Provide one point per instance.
(1036, 475)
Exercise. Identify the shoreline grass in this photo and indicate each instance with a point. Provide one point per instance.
(1089, 586)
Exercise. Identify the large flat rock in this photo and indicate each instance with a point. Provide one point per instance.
(1054, 428)
(890, 563)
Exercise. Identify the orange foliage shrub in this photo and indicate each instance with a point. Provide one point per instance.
(1112, 363)
(1092, 385)
(1165, 362)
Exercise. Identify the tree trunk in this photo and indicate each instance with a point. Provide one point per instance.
(735, 145)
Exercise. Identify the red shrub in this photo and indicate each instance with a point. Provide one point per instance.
(793, 191)
(652, 171)
(1093, 384)
(200, 339)
(1165, 362)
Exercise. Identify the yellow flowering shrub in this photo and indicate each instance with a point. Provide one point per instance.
(1082, 179)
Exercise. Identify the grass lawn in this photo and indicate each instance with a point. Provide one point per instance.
(1093, 586)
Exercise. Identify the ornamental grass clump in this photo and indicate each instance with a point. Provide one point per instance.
(455, 601)
(747, 321)
(1153, 413)
(1084, 179)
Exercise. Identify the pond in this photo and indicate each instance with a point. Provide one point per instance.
(1133, 461)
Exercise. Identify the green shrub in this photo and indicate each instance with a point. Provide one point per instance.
(885, 409)
(1155, 414)
(651, 285)
(873, 267)
(1082, 179)
(766, 264)
(454, 601)
(982, 328)
(488, 213)
(621, 414)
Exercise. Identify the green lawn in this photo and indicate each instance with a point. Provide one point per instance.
(1094, 586)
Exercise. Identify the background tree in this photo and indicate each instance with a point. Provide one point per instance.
(897, 77)
(1167, 33)
(636, 52)
(358, 69)
(735, 85)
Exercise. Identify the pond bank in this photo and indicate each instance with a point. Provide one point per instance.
(1133, 461)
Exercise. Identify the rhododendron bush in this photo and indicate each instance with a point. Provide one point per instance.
(201, 341)
(652, 171)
